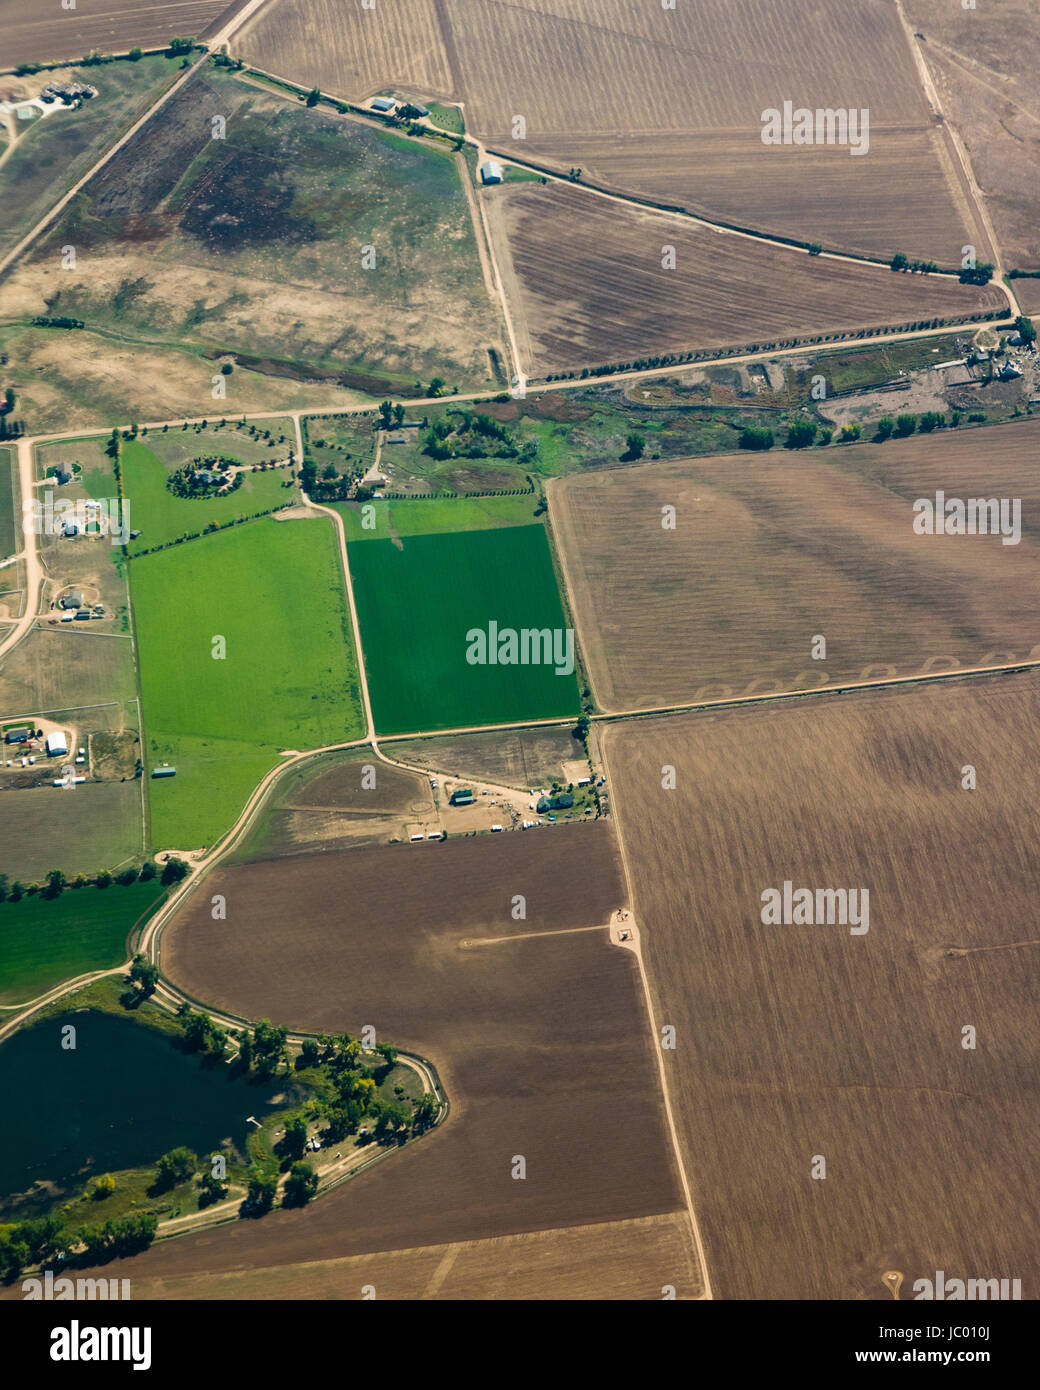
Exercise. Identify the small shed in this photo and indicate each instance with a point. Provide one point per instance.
(490, 172)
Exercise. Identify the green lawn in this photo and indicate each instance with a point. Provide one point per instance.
(436, 515)
(161, 517)
(416, 605)
(43, 942)
(274, 592)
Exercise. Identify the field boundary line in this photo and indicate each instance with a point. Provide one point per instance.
(637, 951)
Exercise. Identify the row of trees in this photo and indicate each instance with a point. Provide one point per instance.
(25, 1243)
(57, 881)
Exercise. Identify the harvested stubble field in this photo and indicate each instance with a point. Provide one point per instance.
(770, 551)
(35, 33)
(536, 1028)
(795, 1041)
(335, 801)
(622, 1260)
(585, 277)
(984, 61)
(681, 94)
(254, 244)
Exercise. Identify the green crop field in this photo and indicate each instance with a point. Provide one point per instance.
(8, 530)
(273, 590)
(416, 604)
(161, 516)
(44, 941)
(436, 515)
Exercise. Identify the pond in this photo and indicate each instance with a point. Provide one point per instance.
(122, 1097)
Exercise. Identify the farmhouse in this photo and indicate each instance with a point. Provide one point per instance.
(73, 599)
(491, 172)
(561, 802)
(63, 473)
(17, 736)
(57, 745)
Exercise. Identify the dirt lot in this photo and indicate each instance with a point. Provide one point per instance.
(797, 1041)
(38, 33)
(536, 1028)
(614, 1259)
(522, 758)
(331, 803)
(589, 288)
(665, 103)
(770, 551)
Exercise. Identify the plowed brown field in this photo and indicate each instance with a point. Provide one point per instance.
(589, 287)
(37, 33)
(770, 551)
(537, 1028)
(794, 1042)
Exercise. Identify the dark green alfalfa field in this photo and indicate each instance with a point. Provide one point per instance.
(418, 599)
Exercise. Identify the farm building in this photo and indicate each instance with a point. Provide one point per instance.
(17, 736)
(82, 614)
(462, 797)
(490, 172)
(73, 599)
(164, 772)
(57, 745)
(383, 104)
(63, 473)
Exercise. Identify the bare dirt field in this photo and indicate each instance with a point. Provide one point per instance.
(589, 284)
(665, 103)
(984, 61)
(536, 1027)
(34, 33)
(621, 1260)
(344, 799)
(521, 758)
(771, 551)
(795, 1043)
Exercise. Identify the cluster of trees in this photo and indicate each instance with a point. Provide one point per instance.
(57, 882)
(186, 482)
(24, 1243)
(48, 321)
(390, 414)
(140, 982)
(125, 1235)
(901, 262)
(901, 426)
(10, 428)
(201, 1034)
(472, 434)
(980, 274)
(331, 486)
